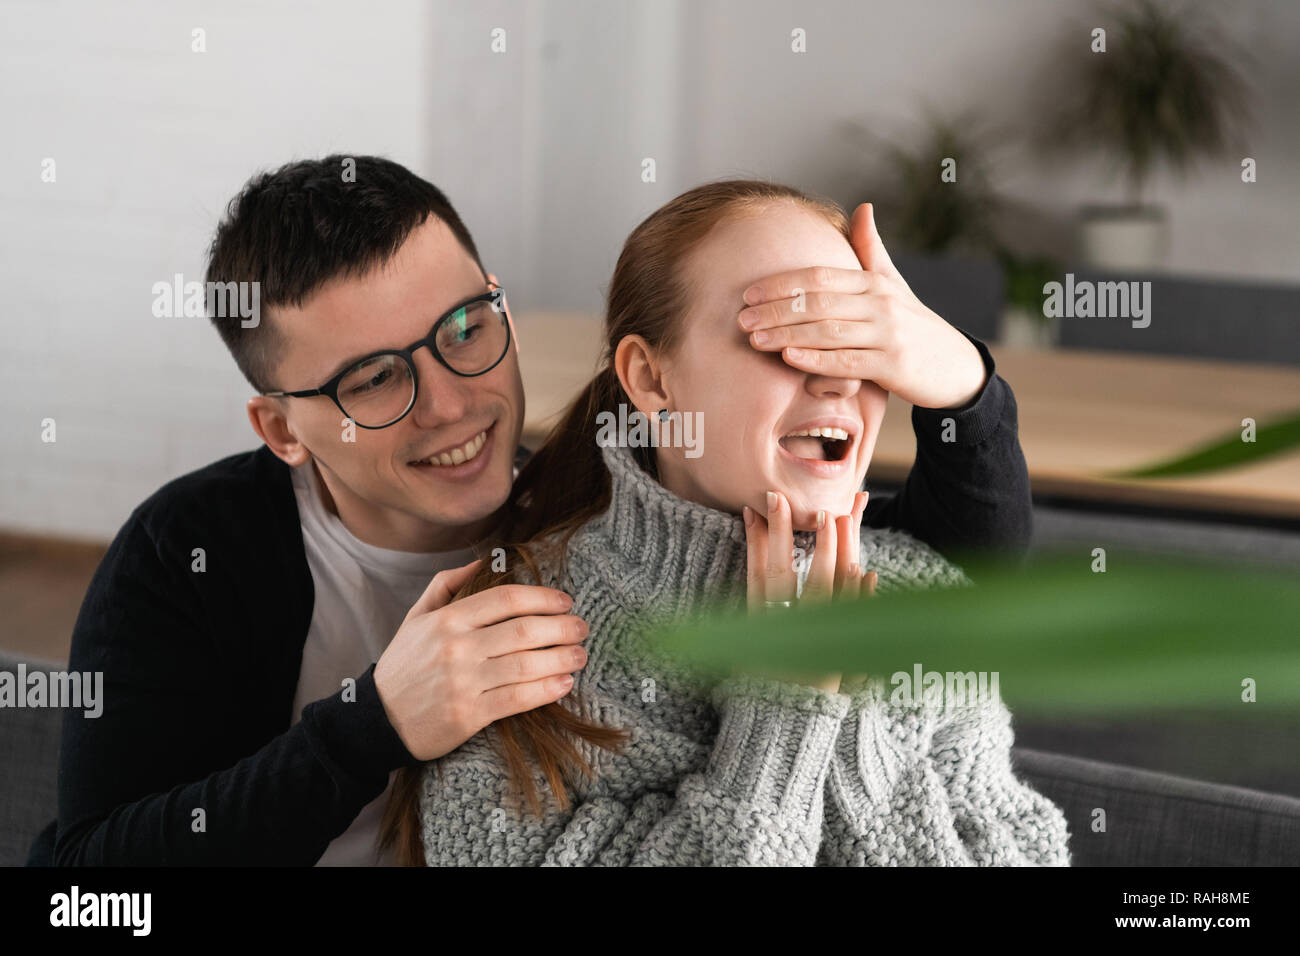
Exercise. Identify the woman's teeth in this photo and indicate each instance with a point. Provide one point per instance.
(458, 456)
(837, 433)
(817, 444)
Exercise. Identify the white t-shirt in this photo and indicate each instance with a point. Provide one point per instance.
(362, 595)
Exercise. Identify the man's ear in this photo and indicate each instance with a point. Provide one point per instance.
(640, 372)
(267, 418)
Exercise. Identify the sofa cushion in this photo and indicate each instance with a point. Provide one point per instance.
(1155, 819)
(29, 753)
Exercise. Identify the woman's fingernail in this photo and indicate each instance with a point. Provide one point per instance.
(771, 501)
(749, 516)
(748, 319)
(752, 295)
(798, 355)
(821, 520)
(761, 337)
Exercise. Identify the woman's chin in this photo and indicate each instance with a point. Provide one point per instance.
(803, 511)
(808, 494)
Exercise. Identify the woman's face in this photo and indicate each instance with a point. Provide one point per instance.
(752, 403)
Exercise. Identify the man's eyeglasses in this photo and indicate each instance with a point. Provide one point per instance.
(378, 390)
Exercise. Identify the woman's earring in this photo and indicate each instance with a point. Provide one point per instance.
(663, 414)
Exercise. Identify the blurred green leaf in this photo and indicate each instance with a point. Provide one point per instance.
(1228, 452)
(1143, 636)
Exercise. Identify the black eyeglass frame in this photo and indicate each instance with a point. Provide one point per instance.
(496, 295)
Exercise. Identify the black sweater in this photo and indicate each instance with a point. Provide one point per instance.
(194, 759)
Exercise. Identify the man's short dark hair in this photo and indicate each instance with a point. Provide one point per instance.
(295, 228)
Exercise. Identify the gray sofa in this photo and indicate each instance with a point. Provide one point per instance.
(29, 754)
(1198, 317)
(1193, 316)
(1151, 819)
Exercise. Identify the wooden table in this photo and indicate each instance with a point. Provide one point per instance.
(1082, 414)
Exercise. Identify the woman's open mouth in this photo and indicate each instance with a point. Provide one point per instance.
(818, 444)
(824, 450)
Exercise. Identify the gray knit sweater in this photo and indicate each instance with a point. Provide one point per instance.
(743, 770)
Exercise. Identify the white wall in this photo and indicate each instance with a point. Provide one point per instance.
(540, 148)
(709, 88)
(765, 110)
(150, 142)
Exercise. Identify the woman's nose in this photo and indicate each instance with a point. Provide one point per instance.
(827, 386)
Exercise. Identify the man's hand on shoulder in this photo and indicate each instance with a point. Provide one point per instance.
(456, 666)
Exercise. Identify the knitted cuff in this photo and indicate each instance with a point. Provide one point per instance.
(774, 743)
(862, 766)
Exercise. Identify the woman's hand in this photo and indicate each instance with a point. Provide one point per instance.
(834, 572)
(864, 324)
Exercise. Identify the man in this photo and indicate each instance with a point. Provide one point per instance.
(275, 630)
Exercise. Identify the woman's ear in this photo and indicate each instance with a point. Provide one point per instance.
(641, 375)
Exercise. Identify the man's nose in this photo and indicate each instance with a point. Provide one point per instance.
(443, 396)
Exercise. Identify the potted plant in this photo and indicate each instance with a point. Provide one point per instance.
(937, 207)
(1158, 92)
(920, 209)
(932, 223)
(1024, 324)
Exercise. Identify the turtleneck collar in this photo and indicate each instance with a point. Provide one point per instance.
(667, 551)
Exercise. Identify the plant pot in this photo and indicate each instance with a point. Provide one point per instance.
(1024, 329)
(1124, 238)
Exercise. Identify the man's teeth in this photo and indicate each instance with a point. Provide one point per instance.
(838, 433)
(466, 452)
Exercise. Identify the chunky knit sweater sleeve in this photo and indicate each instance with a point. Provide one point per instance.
(999, 820)
(909, 789)
(922, 781)
(757, 799)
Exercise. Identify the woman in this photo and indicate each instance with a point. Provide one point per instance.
(647, 761)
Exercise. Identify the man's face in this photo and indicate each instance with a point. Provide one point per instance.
(382, 486)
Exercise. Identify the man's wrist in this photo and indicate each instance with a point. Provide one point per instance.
(356, 729)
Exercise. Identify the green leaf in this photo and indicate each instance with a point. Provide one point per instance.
(1143, 636)
(1228, 452)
